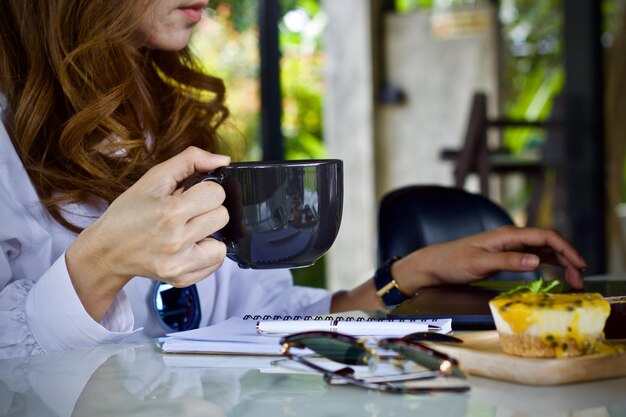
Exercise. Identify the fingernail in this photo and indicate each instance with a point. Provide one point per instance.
(224, 158)
(530, 261)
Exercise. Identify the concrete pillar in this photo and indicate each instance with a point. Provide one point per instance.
(349, 135)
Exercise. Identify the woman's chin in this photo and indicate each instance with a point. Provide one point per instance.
(172, 42)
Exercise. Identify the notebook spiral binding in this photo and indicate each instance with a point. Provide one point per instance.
(330, 318)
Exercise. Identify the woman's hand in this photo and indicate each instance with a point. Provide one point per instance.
(152, 230)
(475, 257)
(469, 259)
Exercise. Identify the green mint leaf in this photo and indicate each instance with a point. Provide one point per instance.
(547, 286)
(538, 285)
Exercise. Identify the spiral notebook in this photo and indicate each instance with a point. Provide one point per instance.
(239, 336)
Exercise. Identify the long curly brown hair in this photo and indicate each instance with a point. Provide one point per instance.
(89, 109)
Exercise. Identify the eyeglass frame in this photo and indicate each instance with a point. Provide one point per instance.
(448, 367)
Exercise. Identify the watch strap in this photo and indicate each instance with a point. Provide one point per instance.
(387, 289)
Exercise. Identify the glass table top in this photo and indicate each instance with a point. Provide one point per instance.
(139, 380)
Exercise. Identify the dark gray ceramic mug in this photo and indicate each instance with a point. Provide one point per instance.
(283, 214)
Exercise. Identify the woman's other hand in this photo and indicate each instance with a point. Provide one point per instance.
(475, 257)
(153, 230)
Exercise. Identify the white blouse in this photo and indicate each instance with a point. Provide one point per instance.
(40, 310)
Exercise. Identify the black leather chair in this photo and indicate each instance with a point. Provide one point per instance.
(413, 217)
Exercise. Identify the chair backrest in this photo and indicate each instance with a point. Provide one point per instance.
(413, 217)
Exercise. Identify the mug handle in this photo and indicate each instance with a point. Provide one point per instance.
(218, 177)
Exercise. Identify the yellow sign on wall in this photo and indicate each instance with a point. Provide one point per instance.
(461, 23)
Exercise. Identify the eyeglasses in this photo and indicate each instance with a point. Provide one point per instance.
(176, 309)
(349, 350)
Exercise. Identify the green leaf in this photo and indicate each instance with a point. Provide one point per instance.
(538, 285)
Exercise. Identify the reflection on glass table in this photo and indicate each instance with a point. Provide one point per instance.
(139, 380)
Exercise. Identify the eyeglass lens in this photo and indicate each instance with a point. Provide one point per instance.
(332, 346)
(348, 350)
(424, 356)
(178, 308)
(431, 337)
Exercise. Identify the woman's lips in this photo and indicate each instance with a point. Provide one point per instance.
(193, 13)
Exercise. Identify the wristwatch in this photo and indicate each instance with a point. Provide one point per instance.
(387, 289)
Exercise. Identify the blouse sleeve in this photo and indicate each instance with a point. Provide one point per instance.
(46, 315)
(15, 336)
(39, 308)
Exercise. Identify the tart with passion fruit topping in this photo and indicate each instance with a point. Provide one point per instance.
(545, 325)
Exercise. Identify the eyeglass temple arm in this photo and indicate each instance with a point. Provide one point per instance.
(346, 374)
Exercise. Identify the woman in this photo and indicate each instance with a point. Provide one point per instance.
(104, 114)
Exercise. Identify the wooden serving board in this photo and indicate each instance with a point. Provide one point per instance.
(481, 355)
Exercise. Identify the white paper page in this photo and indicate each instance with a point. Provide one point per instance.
(234, 335)
(234, 329)
(201, 346)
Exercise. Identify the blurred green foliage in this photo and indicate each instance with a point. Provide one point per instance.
(302, 78)
(611, 17)
(404, 6)
(233, 55)
(302, 82)
(533, 68)
(227, 44)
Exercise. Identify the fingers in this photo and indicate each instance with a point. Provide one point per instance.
(199, 227)
(202, 198)
(491, 262)
(546, 246)
(194, 214)
(185, 234)
(208, 256)
(180, 167)
(522, 262)
(191, 277)
(195, 264)
(574, 278)
(544, 240)
(550, 246)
